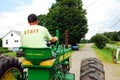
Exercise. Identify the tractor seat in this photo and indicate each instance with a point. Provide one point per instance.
(36, 55)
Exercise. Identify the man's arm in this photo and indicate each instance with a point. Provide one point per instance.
(49, 37)
(54, 39)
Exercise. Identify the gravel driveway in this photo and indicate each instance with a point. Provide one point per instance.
(112, 71)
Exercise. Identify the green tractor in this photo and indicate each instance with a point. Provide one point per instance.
(52, 63)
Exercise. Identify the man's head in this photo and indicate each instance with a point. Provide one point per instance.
(32, 18)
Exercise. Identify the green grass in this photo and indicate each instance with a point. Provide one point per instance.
(3, 49)
(81, 45)
(13, 54)
(103, 54)
(117, 43)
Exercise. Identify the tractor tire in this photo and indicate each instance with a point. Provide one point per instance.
(7, 66)
(92, 69)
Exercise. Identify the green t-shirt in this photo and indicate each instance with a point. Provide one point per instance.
(35, 37)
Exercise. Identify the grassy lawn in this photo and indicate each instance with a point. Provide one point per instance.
(81, 45)
(13, 54)
(103, 54)
(3, 49)
(118, 43)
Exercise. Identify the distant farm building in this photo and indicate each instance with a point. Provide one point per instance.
(11, 40)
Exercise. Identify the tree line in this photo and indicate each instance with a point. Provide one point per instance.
(113, 36)
(100, 40)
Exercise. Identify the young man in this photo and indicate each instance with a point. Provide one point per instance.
(35, 36)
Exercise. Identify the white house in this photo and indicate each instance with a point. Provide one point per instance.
(11, 39)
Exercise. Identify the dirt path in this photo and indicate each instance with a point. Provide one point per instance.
(112, 71)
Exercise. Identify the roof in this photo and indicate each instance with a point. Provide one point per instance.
(17, 32)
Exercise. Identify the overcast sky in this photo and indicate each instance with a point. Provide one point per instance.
(102, 15)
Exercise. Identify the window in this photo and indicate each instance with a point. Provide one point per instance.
(16, 41)
(11, 34)
(6, 41)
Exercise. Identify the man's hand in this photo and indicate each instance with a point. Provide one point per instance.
(54, 39)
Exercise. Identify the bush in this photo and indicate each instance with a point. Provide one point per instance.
(3, 50)
(100, 40)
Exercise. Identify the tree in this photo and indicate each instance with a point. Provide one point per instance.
(100, 40)
(0, 42)
(67, 14)
(41, 19)
(113, 36)
(109, 35)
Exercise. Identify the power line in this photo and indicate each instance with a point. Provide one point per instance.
(116, 21)
(113, 24)
(92, 3)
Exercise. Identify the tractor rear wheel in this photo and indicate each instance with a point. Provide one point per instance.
(92, 69)
(7, 67)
